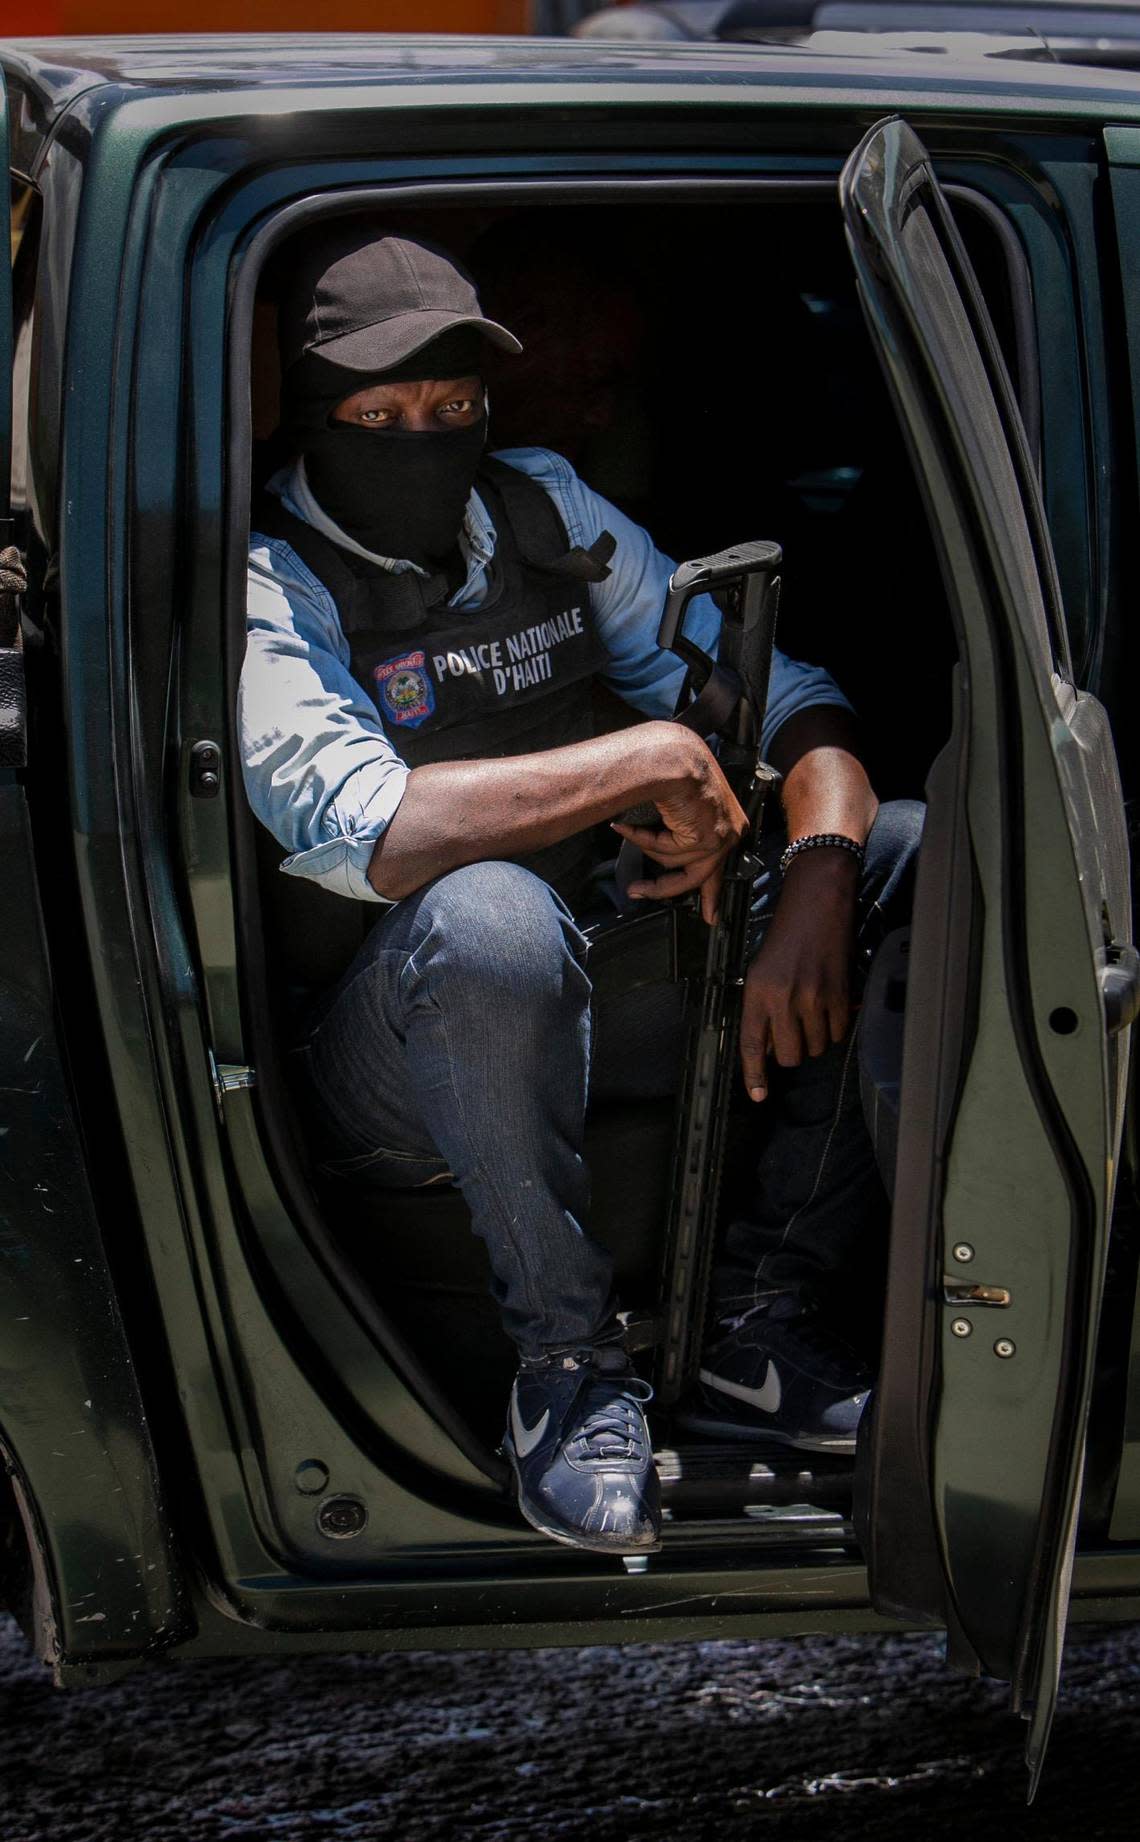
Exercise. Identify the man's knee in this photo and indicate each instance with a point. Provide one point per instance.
(897, 831)
(894, 840)
(504, 928)
(892, 856)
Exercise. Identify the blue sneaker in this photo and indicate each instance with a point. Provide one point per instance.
(580, 1451)
(778, 1371)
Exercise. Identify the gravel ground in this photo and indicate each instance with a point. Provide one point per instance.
(836, 1738)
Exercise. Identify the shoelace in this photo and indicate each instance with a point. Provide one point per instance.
(613, 1426)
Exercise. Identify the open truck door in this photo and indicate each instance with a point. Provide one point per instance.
(1022, 983)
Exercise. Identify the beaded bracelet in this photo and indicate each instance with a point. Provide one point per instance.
(815, 841)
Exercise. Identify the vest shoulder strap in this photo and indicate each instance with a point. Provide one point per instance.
(331, 565)
(351, 581)
(537, 528)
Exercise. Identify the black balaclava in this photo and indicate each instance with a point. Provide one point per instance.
(399, 494)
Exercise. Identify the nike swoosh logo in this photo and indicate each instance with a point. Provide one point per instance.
(525, 1438)
(767, 1398)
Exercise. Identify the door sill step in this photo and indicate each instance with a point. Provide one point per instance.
(737, 1479)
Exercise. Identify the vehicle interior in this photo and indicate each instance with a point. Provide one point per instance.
(711, 414)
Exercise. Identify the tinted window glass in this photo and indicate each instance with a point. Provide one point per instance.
(964, 374)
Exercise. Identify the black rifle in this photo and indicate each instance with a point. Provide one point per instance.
(725, 699)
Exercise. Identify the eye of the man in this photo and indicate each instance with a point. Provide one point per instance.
(455, 409)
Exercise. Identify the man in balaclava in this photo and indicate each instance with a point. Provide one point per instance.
(405, 495)
(425, 623)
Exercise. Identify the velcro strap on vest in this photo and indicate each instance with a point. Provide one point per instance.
(592, 565)
(407, 597)
(539, 531)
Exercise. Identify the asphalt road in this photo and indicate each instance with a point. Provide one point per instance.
(831, 1738)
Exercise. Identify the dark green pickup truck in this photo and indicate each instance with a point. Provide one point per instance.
(225, 1426)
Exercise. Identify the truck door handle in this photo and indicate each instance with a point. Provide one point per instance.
(1120, 986)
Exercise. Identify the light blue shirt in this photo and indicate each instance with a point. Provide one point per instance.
(320, 771)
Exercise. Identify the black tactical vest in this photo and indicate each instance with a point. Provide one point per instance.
(507, 678)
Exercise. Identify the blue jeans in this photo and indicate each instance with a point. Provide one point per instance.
(457, 1047)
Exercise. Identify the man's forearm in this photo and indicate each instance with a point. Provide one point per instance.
(825, 785)
(461, 812)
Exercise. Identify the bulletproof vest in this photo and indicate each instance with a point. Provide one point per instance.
(507, 678)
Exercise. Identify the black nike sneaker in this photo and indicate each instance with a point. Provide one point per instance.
(778, 1371)
(579, 1448)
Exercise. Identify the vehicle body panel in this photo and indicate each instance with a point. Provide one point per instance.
(76, 1444)
(1122, 146)
(158, 165)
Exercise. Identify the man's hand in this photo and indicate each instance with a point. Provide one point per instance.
(457, 812)
(796, 992)
(701, 822)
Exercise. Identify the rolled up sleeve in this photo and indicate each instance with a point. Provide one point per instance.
(629, 603)
(319, 771)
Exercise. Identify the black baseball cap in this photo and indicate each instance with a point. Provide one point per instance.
(367, 302)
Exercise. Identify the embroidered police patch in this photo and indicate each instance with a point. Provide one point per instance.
(404, 689)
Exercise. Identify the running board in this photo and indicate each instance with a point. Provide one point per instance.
(698, 1480)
